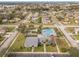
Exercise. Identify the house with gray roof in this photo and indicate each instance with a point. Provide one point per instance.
(31, 42)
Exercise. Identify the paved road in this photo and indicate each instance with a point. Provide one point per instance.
(8, 25)
(28, 17)
(44, 47)
(37, 54)
(8, 41)
(70, 39)
(62, 28)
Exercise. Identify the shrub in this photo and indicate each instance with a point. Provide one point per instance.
(21, 47)
(64, 49)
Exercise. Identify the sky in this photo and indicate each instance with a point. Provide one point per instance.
(36, 0)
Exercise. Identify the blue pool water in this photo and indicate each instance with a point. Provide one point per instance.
(48, 32)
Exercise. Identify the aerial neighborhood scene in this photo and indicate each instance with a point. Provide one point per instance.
(39, 29)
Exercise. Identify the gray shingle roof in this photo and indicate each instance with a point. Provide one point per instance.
(31, 41)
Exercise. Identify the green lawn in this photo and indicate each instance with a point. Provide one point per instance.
(18, 45)
(72, 22)
(1, 39)
(39, 49)
(71, 30)
(9, 29)
(51, 48)
(62, 45)
(76, 37)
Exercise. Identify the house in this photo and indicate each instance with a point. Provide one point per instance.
(45, 20)
(76, 30)
(48, 35)
(34, 41)
(17, 19)
(2, 31)
(12, 21)
(41, 39)
(31, 42)
(4, 20)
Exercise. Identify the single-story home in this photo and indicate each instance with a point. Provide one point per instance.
(2, 31)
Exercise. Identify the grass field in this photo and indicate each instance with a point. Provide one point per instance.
(18, 45)
(69, 29)
(9, 29)
(1, 39)
(62, 45)
(76, 37)
(39, 49)
(51, 48)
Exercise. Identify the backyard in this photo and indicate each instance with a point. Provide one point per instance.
(51, 48)
(61, 41)
(18, 45)
(39, 49)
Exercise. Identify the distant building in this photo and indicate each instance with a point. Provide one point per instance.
(2, 31)
(4, 20)
(76, 30)
(45, 20)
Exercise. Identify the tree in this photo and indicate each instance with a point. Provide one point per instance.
(1, 38)
(11, 16)
(60, 18)
(64, 49)
(0, 20)
(39, 29)
(57, 8)
(23, 29)
(59, 34)
(39, 20)
(31, 26)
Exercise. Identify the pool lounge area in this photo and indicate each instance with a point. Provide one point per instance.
(48, 32)
(45, 34)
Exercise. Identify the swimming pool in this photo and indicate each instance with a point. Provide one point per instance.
(48, 32)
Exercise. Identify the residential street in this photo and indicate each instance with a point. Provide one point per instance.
(62, 28)
(8, 41)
